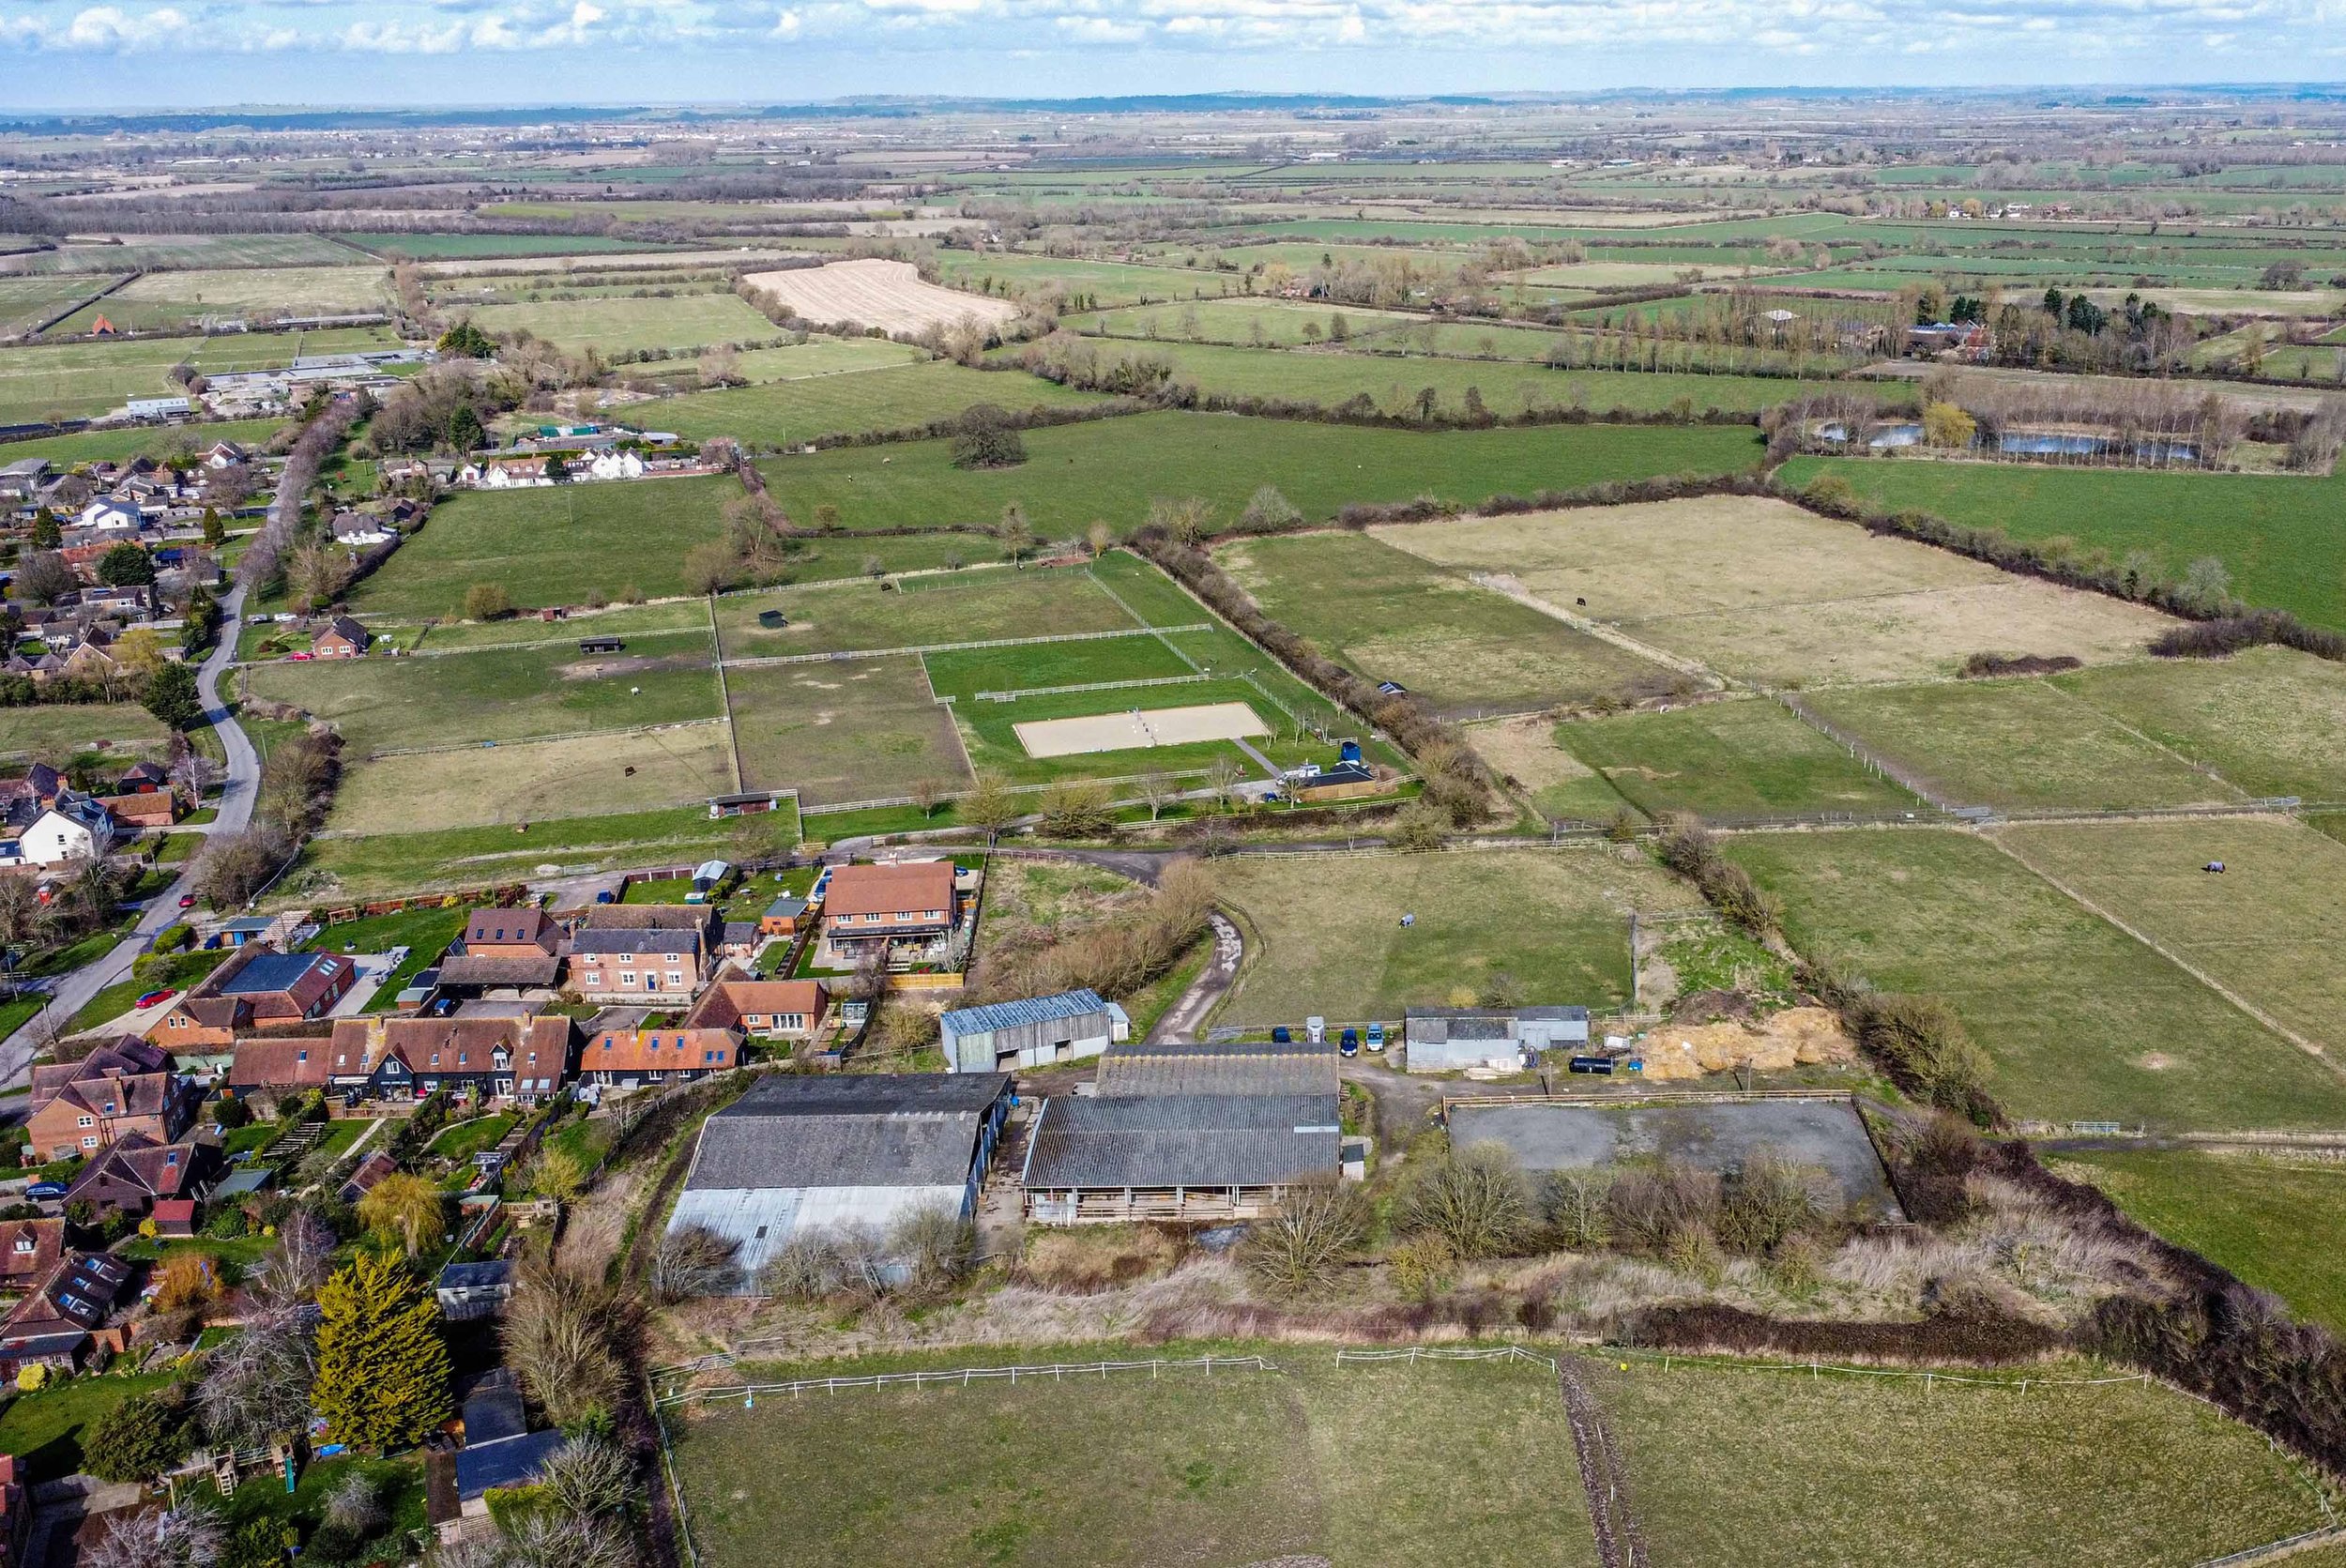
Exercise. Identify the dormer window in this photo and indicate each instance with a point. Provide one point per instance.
(26, 1243)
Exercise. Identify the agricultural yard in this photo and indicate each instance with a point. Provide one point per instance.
(1465, 649)
(2266, 928)
(1768, 1465)
(1765, 592)
(1731, 758)
(2281, 537)
(1325, 933)
(2017, 743)
(2271, 1221)
(1107, 469)
(614, 325)
(1239, 1468)
(775, 415)
(2080, 1021)
(168, 300)
(888, 295)
(561, 545)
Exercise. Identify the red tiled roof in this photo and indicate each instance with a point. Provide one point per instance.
(889, 890)
(660, 1051)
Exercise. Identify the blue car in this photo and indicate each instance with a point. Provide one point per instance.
(1349, 1043)
(40, 1189)
(1282, 1036)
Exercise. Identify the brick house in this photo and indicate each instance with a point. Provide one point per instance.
(279, 1065)
(768, 1009)
(132, 1172)
(146, 809)
(888, 907)
(79, 1107)
(406, 1059)
(626, 1058)
(341, 638)
(505, 948)
(256, 988)
(632, 963)
(54, 1324)
(28, 1250)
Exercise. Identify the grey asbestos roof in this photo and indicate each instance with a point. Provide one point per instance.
(1027, 1010)
(913, 1130)
(1295, 1068)
(1184, 1140)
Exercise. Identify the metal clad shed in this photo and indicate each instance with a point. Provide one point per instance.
(1033, 1032)
(1452, 1039)
(1093, 1159)
(1293, 1067)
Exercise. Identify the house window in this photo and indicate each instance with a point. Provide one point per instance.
(790, 1021)
(675, 958)
(676, 977)
(85, 1122)
(627, 958)
(89, 1143)
(627, 977)
(871, 920)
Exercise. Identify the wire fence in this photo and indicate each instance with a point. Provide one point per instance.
(964, 1377)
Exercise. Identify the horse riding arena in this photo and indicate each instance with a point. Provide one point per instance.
(1135, 729)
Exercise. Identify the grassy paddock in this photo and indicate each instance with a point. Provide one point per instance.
(2271, 720)
(618, 325)
(369, 865)
(1734, 759)
(976, 607)
(553, 546)
(1328, 937)
(780, 413)
(2080, 1021)
(531, 780)
(1765, 1467)
(858, 731)
(61, 729)
(1109, 469)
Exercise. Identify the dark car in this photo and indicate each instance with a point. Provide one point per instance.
(1392, 689)
(1282, 1036)
(40, 1189)
(1349, 1043)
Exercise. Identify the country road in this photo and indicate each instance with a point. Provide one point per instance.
(68, 995)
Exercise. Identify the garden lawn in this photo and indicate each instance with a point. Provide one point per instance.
(780, 413)
(622, 324)
(1109, 469)
(510, 694)
(2282, 537)
(1393, 616)
(2080, 1021)
(1767, 1466)
(462, 1140)
(2017, 744)
(45, 1429)
(425, 932)
(1725, 759)
(2272, 1223)
(557, 546)
(2271, 721)
(1325, 934)
(2268, 928)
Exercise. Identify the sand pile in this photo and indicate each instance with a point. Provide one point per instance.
(1795, 1037)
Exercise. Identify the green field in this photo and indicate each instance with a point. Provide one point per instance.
(1396, 618)
(1109, 469)
(514, 781)
(2282, 538)
(466, 247)
(27, 301)
(818, 357)
(65, 380)
(508, 695)
(1380, 1467)
(2273, 1223)
(613, 326)
(551, 546)
(384, 863)
(1728, 759)
(1280, 323)
(2271, 720)
(2080, 1021)
(148, 251)
(2017, 744)
(1769, 1467)
(2265, 928)
(1105, 283)
(158, 301)
(780, 413)
(1325, 934)
(863, 730)
(128, 441)
(56, 731)
(978, 606)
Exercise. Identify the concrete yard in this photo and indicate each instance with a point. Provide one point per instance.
(1822, 1131)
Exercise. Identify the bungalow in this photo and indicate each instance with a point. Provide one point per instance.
(54, 1324)
(887, 909)
(359, 529)
(403, 1059)
(76, 1107)
(278, 1066)
(342, 638)
(1034, 1031)
(258, 986)
(108, 515)
(631, 964)
(134, 1171)
(769, 1009)
(223, 454)
(629, 1059)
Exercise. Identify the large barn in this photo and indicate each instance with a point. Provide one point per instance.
(798, 1157)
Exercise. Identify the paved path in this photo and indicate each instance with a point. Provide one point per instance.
(69, 994)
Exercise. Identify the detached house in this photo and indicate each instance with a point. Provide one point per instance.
(54, 1326)
(256, 988)
(406, 1059)
(75, 828)
(79, 1107)
(341, 638)
(888, 909)
(135, 1172)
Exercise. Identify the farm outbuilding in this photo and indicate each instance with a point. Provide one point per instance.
(1109, 1159)
(1034, 1031)
(797, 1157)
(1278, 1067)
(1452, 1039)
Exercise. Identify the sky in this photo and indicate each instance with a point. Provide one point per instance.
(133, 55)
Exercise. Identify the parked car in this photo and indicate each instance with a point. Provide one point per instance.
(1392, 689)
(1282, 1036)
(40, 1189)
(187, 901)
(1376, 1037)
(1349, 1045)
(1316, 1029)
(154, 997)
(301, 657)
